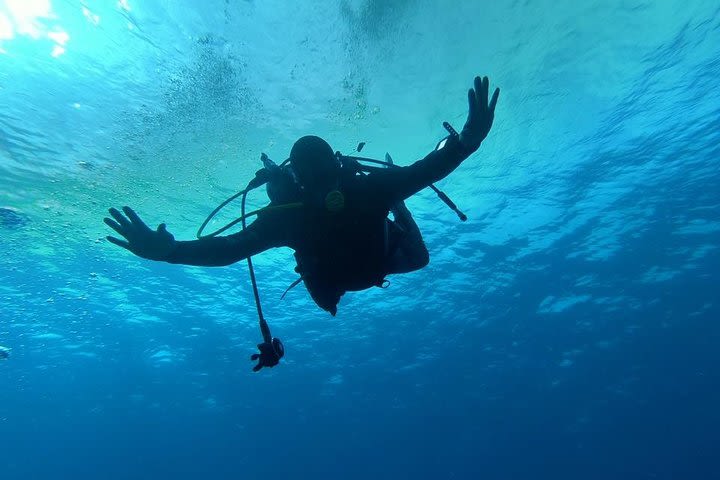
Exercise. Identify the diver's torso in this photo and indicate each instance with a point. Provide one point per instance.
(343, 250)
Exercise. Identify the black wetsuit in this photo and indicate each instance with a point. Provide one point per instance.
(336, 252)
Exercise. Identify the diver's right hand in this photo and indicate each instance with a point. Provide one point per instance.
(139, 239)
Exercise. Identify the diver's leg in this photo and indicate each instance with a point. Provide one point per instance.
(409, 253)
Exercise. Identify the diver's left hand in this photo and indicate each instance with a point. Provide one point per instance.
(480, 114)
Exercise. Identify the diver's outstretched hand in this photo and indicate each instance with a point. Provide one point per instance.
(480, 114)
(139, 239)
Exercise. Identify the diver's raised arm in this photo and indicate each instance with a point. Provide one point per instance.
(160, 245)
(401, 183)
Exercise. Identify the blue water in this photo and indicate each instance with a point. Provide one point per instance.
(568, 330)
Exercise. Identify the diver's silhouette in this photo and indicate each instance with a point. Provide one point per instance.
(334, 215)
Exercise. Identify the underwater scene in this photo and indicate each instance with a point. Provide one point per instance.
(520, 283)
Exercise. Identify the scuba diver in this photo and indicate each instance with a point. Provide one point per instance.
(331, 210)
